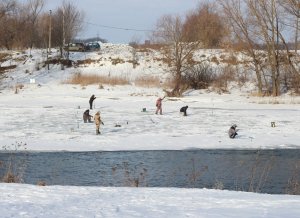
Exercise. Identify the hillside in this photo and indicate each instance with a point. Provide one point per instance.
(112, 60)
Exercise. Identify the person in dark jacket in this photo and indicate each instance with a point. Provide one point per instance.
(183, 110)
(92, 98)
(87, 117)
(232, 132)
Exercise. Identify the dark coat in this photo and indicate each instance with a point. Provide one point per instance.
(232, 132)
(183, 110)
(92, 98)
(87, 116)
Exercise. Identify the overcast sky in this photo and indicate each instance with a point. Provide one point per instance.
(127, 14)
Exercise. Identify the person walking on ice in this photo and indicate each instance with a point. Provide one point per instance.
(98, 121)
(92, 98)
(159, 105)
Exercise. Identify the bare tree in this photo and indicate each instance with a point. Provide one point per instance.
(205, 25)
(72, 21)
(265, 14)
(10, 23)
(6, 6)
(293, 8)
(235, 11)
(33, 8)
(177, 52)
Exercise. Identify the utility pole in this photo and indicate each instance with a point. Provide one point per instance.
(49, 45)
(50, 27)
(64, 34)
(296, 35)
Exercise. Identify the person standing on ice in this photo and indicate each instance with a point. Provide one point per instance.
(98, 121)
(87, 117)
(232, 132)
(159, 105)
(92, 98)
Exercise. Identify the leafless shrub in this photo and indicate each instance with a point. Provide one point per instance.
(222, 80)
(133, 177)
(293, 186)
(242, 76)
(258, 176)
(3, 69)
(115, 61)
(15, 166)
(199, 76)
(195, 173)
(62, 62)
(258, 173)
(214, 59)
(90, 79)
(147, 81)
(230, 60)
(41, 183)
(289, 81)
(18, 87)
(218, 185)
(146, 47)
(86, 61)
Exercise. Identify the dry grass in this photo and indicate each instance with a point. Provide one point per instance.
(147, 47)
(9, 177)
(85, 80)
(18, 87)
(87, 61)
(277, 101)
(3, 69)
(147, 81)
(214, 59)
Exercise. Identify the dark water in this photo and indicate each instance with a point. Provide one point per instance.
(266, 171)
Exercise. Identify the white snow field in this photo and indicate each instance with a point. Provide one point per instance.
(87, 202)
(46, 115)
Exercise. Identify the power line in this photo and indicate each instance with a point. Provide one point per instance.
(119, 28)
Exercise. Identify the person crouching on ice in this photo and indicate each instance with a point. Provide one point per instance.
(87, 117)
(98, 121)
(183, 110)
(232, 132)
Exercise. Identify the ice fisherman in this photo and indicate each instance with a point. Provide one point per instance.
(92, 98)
(183, 110)
(232, 132)
(98, 121)
(87, 117)
(159, 105)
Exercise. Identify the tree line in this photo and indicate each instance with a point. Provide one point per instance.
(261, 30)
(28, 25)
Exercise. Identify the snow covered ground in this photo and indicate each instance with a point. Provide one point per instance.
(87, 202)
(47, 116)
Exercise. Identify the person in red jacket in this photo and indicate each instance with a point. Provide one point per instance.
(159, 105)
